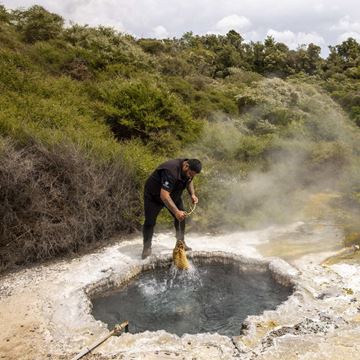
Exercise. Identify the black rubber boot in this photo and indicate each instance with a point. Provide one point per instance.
(148, 231)
(146, 252)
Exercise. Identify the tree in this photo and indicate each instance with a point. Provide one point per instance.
(313, 58)
(211, 42)
(349, 51)
(227, 57)
(190, 40)
(306, 59)
(344, 56)
(4, 15)
(234, 39)
(37, 24)
(275, 57)
(256, 56)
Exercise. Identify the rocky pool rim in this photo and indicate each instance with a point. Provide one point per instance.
(281, 272)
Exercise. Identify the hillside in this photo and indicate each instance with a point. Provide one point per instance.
(87, 113)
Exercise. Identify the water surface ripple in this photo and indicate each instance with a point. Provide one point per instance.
(209, 298)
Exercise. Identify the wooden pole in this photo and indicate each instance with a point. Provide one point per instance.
(118, 329)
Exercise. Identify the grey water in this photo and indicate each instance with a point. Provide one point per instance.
(209, 298)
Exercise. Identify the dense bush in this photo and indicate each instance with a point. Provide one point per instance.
(141, 109)
(104, 46)
(56, 200)
(4, 15)
(36, 24)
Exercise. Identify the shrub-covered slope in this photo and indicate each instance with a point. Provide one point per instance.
(87, 113)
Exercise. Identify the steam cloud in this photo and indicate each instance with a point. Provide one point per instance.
(264, 167)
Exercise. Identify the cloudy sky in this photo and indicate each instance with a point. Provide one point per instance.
(295, 22)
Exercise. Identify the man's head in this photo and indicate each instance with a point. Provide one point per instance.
(191, 167)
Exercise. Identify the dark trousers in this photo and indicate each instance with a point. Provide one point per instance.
(152, 209)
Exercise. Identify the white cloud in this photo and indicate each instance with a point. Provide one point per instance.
(252, 36)
(307, 38)
(319, 7)
(231, 22)
(160, 32)
(286, 36)
(305, 20)
(345, 24)
(346, 35)
(294, 40)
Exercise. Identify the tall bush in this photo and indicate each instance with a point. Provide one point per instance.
(36, 24)
(55, 201)
(142, 109)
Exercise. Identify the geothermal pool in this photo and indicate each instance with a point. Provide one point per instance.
(209, 298)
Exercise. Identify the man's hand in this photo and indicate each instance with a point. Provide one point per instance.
(180, 215)
(194, 199)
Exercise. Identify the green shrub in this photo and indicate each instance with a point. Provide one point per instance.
(4, 15)
(174, 66)
(239, 77)
(16, 72)
(102, 46)
(152, 46)
(59, 58)
(36, 24)
(52, 111)
(253, 148)
(140, 158)
(141, 109)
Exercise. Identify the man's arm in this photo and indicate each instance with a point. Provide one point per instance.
(169, 203)
(191, 191)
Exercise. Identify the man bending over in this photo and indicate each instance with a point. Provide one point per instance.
(164, 187)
